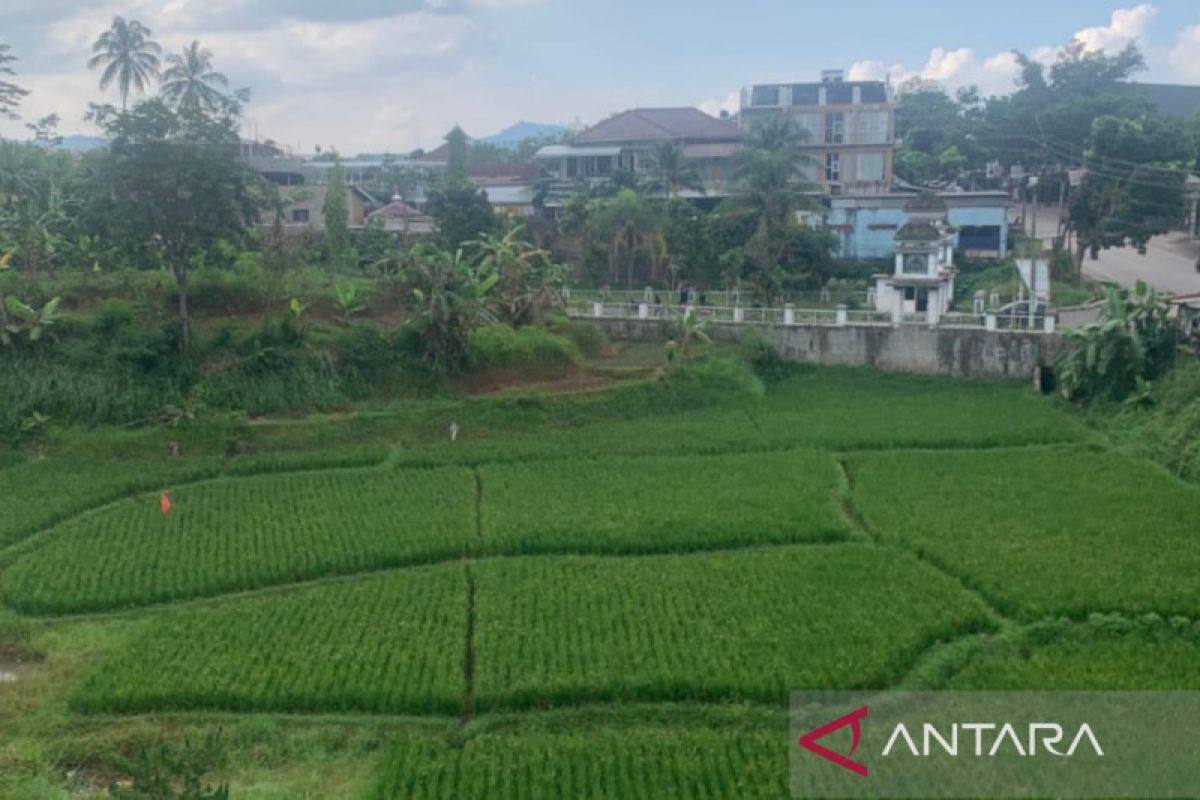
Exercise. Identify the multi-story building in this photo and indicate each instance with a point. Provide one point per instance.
(850, 128)
(627, 141)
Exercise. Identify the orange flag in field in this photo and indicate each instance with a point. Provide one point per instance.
(164, 503)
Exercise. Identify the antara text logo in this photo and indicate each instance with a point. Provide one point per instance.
(956, 740)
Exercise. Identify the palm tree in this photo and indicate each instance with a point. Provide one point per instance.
(770, 174)
(632, 226)
(189, 82)
(776, 132)
(10, 93)
(129, 56)
(672, 171)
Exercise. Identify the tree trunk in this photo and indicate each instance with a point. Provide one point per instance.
(1081, 249)
(181, 284)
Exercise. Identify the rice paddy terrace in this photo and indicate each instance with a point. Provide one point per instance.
(579, 602)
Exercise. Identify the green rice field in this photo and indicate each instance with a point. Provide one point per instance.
(603, 596)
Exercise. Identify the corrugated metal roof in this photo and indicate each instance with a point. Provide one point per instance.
(509, 195)
(560, 150)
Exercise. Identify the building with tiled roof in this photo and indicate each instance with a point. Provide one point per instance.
(626, 141)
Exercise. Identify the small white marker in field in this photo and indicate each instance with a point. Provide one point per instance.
(453, 431)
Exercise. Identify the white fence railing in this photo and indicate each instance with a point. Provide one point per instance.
(807, 317)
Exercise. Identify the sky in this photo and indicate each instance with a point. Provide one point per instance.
(393, 75)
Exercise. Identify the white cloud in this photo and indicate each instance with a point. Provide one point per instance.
(1127, 26)
(1185, 56)
(954, 68)
(867, 71)
(714, 106)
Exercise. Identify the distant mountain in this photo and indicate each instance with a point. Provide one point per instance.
(73, 143)
(515, 134)
(80, 143)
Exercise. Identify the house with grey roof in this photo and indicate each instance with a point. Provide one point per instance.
(626, 141)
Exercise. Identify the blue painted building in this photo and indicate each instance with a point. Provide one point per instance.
(866, 225)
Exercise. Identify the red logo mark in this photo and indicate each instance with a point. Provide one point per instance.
(854, 719)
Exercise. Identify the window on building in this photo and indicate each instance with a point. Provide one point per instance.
(839, 94)
(835, 127)
(810, 170)
(765, 96)
(805, 94)
(870, 166)
(874, 93)
(810, 124)
(874, 127)
(833, 167)
(300, 215)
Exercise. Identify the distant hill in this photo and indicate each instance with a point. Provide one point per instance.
(73, 143)
(82, 143)
(515, 134)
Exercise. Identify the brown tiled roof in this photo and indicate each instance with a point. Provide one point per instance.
(659, 124)
(711, 149)
(516, 173)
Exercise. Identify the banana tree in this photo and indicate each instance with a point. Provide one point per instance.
(448, 296)
(526, 278)
(21, 321)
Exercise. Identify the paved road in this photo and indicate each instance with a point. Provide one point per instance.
(1169, 264)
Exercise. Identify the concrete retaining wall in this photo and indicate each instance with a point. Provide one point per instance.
(964, 353)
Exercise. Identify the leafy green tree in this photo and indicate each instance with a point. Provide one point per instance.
(457, 153)
(1135, 184)
(462, 212)
(449, 300)
(128, 55)
(672, 172)
(688, 233)
(171, 189)
(36, 219)
(10, 93)
(190, 82)
(336, 212)
(1046, 123)
(45, 131)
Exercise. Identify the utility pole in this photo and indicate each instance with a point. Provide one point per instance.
(1034, 184)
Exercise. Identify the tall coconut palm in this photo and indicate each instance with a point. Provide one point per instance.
(189, 84)
(633, 227)
(672, 171)
(770, 173)
(10, 93)
(129, 56)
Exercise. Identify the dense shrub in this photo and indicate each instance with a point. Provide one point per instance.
(369, 361)
(587, 336)
(233, 291)
(96, 395)
(529, 348)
